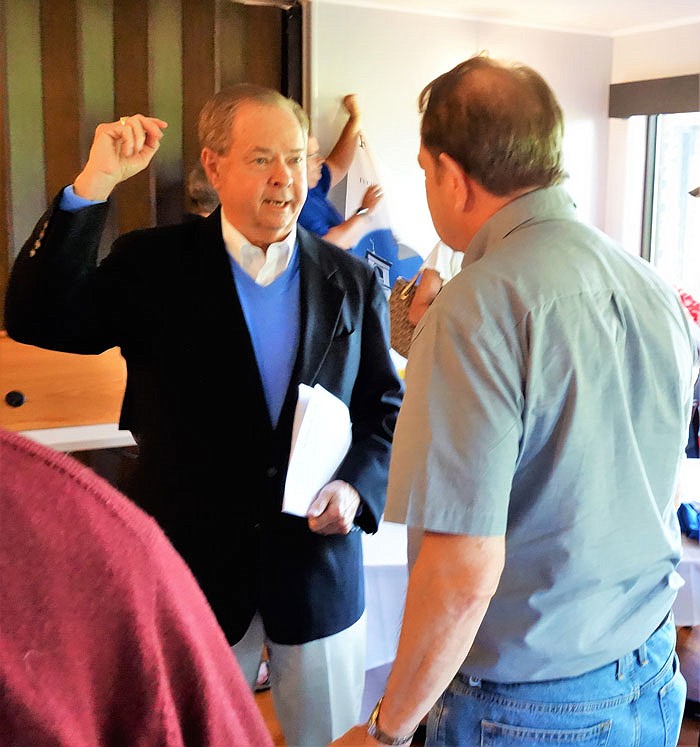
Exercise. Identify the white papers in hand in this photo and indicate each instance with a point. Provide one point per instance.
(321, 437)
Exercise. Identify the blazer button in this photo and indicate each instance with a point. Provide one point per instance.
(271, 472)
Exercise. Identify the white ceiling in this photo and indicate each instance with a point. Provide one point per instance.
(604, 17)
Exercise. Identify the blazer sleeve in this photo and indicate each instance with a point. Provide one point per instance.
(53, 296)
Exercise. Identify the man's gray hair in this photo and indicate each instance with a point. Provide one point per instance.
(218, 113)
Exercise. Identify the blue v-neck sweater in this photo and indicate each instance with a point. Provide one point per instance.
(273, 317)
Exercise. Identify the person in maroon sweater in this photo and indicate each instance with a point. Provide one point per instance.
(105, 636)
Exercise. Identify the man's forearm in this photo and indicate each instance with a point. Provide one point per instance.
(343, 153)
(348, 233)
(93, 186)
(449, 591)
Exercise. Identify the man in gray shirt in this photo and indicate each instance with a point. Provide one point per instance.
(548, 393)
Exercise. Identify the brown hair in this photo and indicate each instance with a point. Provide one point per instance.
(217, 114)
(500, 121)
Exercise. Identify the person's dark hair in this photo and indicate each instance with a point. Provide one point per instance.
(202, 196)
(217, 114)
(500, 121)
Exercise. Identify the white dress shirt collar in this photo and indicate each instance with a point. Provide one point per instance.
(263, 267)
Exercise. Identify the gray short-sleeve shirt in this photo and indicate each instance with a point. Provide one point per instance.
(547, 398)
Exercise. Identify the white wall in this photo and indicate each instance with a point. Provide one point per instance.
(656, 54)
(387, 56)
(577, 68)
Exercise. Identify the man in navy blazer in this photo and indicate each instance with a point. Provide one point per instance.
(219, 321)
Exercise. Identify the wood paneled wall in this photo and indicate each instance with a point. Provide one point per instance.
(5, 213)
(66, 65)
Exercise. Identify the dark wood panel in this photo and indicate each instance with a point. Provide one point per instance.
(66, 65)
(134, 199)
(60, 72)
(264, 59)
(200, 77)
(232, 43)
(250, 45)
(292, 49)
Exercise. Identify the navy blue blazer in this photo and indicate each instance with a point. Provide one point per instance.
(211, 467)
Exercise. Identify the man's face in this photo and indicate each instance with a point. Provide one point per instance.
(261, 180)
(314, 161)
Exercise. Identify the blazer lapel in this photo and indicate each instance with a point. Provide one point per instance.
(321, 300)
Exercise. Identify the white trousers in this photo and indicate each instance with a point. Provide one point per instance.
(316, 686)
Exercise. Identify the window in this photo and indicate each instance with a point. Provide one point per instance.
(672, 240)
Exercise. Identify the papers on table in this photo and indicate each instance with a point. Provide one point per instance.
(321, 437)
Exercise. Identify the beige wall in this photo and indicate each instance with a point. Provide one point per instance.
(386, 57)
(656, 54)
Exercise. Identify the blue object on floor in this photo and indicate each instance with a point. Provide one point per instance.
(689, 520)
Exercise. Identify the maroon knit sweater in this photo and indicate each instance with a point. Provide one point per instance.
(105, 638)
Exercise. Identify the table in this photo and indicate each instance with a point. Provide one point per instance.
(386, 579)
(82, 437)
(686, 608)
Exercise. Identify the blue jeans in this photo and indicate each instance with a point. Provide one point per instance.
(636, 701)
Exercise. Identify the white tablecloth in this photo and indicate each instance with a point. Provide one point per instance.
(386, 578)
(687, 605)
(686, 608)
(82, 437)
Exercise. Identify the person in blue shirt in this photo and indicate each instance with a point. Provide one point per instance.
(318, 214)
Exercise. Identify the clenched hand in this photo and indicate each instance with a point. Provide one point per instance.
(334, 508)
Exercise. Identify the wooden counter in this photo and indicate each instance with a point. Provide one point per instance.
(57, 390)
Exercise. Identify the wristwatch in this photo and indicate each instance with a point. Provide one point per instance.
(362, 211)
(374, 731)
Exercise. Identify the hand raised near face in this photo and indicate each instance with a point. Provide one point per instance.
(119, 150)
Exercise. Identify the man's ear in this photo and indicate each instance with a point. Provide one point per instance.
(458, 183)
(210, 162)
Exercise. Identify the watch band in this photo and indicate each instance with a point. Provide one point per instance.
(362, 211)
(374, 731)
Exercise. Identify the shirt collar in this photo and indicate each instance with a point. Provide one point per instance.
(263, 267)
(539, 204)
